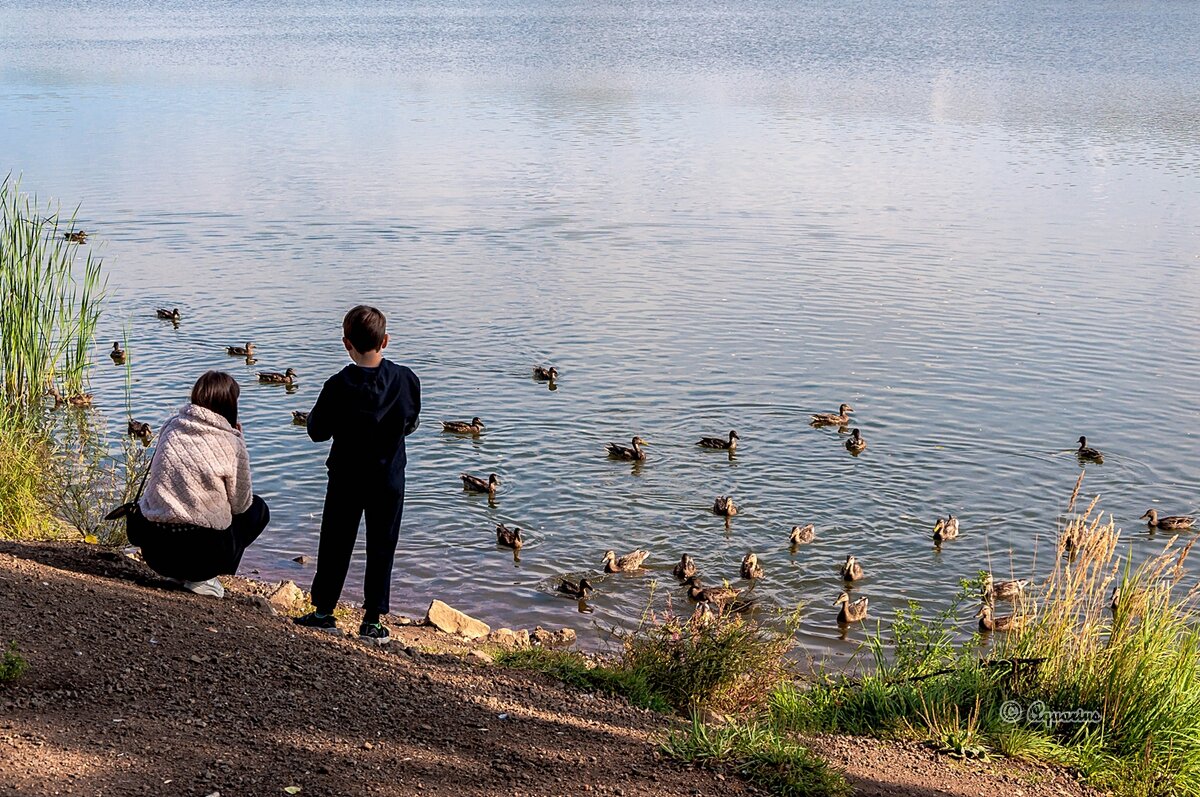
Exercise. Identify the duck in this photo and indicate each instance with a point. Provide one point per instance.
(168, 315)
(685, 569)
(1114, 602)
(288, 377)
(751, 569)
(1168, 523)
(851, 611)
(117, 354)
(1087, 453)
(624, 564)
(78, 400)
(992, 622)
(718, 596)
(543, 374)
(945, 529)
(299, 418)
(577, 590)
(139, 429)
(802, 534)
(636, 453)
(720, 442)
(851, 569)
(240, 351)
(1010, 591)
(724, 505)
(857, 443)
(474, 484)
(76, 236)
(509, 537)
(840, 418)
(473, 426)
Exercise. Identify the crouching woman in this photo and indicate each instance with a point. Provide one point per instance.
(197, 514)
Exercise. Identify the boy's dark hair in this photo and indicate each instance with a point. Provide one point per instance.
(217, 391)
(365, 328)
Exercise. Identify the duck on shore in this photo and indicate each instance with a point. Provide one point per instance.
(801, 535)
(474, 484)
(851, 612)
(857, 443)
(1168, 523)
(240, 351)
(720, 443)
(117, 354)
(852, 569)
(1088, 454)
(288, 377)
(509, 537)
(635, 453)
(839, 418)
(724, 506)
(624, 564)
(473, 426)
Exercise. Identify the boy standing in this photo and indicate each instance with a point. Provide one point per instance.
(368, 408)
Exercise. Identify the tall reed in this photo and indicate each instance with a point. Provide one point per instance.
(49, 303)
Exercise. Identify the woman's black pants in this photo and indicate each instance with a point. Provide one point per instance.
(195, 553)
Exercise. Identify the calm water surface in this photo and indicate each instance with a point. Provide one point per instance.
(977, 223)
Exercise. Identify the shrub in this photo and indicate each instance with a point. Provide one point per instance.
(24, 476)
(12, 665)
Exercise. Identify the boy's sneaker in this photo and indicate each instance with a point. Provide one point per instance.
(375, 632)
(321, 622)
(212, 588)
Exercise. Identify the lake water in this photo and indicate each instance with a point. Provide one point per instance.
(978, 223)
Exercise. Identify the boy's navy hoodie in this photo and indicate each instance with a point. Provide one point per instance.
(367, 412)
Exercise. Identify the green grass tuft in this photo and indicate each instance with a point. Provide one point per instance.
(574, 670)
(12, 664)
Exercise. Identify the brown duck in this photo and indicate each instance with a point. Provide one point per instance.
(240, 351)
(543, 374)
(509, 537)
(1168, 523)
(802, 534)
(473, 426)
(474, 484)
(624, 564)
(851, 611)
(721, 443)
(685, 568)
(718, 596)
(851, 569)
(725, 506)
(751, 569)
(288, 377)
(635, 454)
(857, 443)
(992, 622)
(579, 590)
(839, 418)
(117, 354)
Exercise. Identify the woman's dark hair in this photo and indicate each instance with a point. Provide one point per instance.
(217, 391)
(364, 327)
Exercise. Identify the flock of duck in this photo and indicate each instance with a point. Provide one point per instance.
(708, 599)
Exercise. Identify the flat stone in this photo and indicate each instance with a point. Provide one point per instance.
(449, 620)
(286, 596)
(482, 656)
(263, 605)
(507, 638)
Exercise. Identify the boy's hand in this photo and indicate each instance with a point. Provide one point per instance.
(238, 426)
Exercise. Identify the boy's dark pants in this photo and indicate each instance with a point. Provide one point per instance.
(346, 501)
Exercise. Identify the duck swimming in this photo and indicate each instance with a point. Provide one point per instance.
(168, 315)
(1168, 523)
(840, 418)
(857, 443)
(851, 612)
(288, 377)
(473, 426)
(76, 236)
(474, 484)
(751, 569)
(685, 569)
(721, 443)
(1087, 453)
(509, 537)
(117, 354)
(635, 454)
(624, 564)
(718, 596)
(542, 374)
(240, 351)
(851, 570)
(725, 506)
(577, 590)
(1002, 590)
(77, 400)
(991, 622)
(945, 529)
(299, 418)
(802, 534)
(139, 429)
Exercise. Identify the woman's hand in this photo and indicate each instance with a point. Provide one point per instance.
(238, 426)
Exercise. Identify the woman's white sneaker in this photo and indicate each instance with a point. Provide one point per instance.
(212, 588)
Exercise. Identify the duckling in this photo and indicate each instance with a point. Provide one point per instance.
(720, 442)
(724, 505)
(1169, 523)
(76, 236)
(840, 418)
(578, 591)
(624, 564)
(636, 454)
(509, 537)
(240, 351)
(945, 529)
(1010, 591)
(851, 569)
(856, 444)
(288, 377)
(168, 315)
(751, 569)
(139, 429)
(473, 426)
(543, 374)
(474, 484)
(1087, 453)
(117, 353)
(685, 569)
(299, 418)
(718, 596)
(991, 622)
(851, 611)
(802, 534)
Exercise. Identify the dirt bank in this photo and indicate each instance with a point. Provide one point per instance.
(138, 689)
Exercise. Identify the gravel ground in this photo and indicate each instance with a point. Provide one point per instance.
(137, 688)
